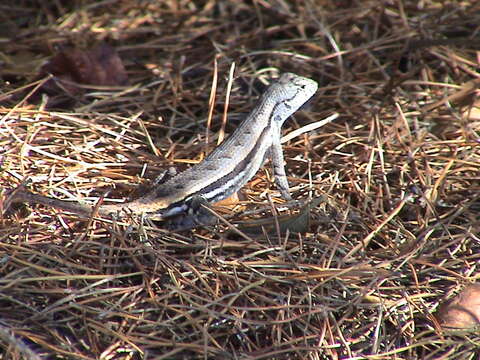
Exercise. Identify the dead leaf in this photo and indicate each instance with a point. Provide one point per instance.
(230, 201)
(472, 113)
(99, 66)
(296, 223)
(463, 311)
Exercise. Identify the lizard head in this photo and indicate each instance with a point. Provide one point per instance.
(289, 93)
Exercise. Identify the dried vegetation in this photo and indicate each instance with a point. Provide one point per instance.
(395, 234)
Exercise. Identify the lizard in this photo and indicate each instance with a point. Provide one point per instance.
(223, 172)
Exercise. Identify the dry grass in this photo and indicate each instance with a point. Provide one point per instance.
(397, 232)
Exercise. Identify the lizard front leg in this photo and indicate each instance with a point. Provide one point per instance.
(276, 155)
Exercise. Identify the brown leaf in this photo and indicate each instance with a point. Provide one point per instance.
(463, 311)
(230, 201)
(100, 66)
(294, 223)
(472, 113)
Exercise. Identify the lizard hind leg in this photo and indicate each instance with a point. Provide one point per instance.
(197, 214)
(164, 176)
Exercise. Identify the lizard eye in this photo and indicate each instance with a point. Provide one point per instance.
(301, 86)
